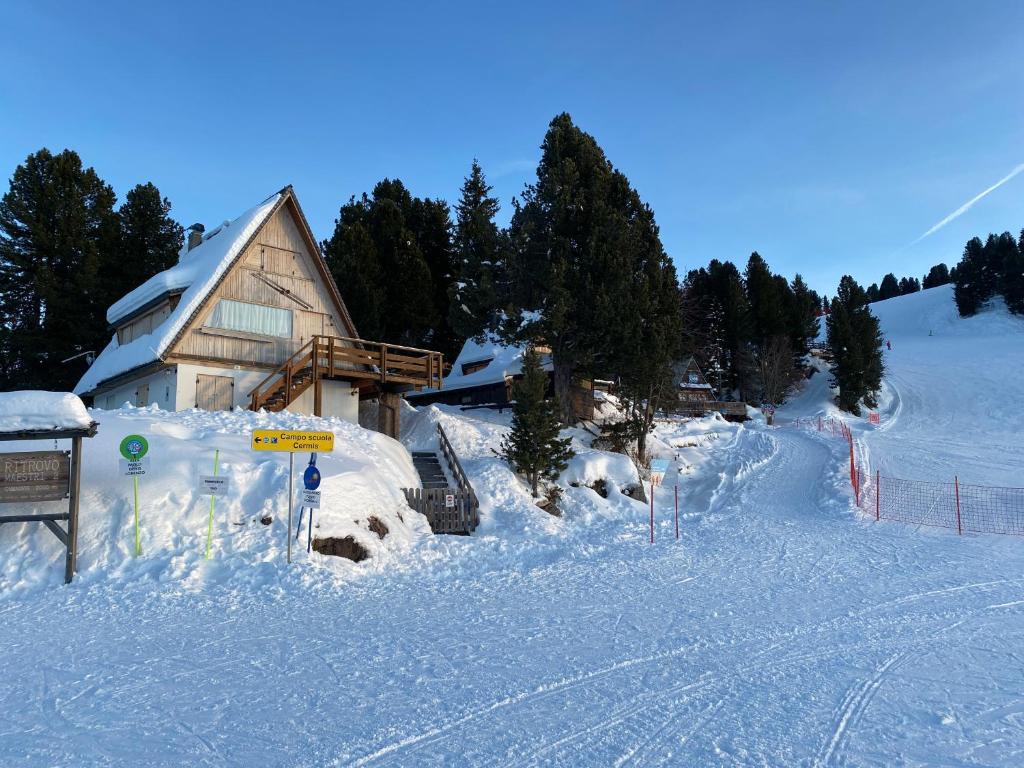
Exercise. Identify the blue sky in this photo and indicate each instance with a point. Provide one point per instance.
(827, 136)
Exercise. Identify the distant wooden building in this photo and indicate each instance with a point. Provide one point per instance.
(693, 387)
(484, 374)
(250, 316)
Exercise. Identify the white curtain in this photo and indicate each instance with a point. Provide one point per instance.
(252, 318)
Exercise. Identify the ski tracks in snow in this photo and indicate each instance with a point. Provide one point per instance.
(852, 708)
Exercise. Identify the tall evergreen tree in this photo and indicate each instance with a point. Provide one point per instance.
(150, 241)
(937, 275)
(855, 338)
(480, 254)
(533, 446)
(727, 287)
(890, 287)
(804, 322)
(909, 285)
(57, 221)
(646, 365)
(391, 257)
(873, 292)
(1012, 285)
(767, 301)
(577, 240)
(975, 282)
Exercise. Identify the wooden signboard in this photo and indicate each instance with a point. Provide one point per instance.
(35, 476)
(31, 476)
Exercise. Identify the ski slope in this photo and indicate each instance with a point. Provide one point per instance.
(780, 629)
(953, 392)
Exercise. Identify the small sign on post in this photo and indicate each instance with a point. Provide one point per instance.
(212, 485)
(310, 499)
(134, 464)
(292, 443)
(659, 467)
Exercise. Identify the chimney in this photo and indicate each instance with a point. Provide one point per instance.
(195, 235)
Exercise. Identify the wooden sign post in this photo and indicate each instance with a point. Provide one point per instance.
(34, 476)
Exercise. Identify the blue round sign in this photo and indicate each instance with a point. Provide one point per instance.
(311, 478)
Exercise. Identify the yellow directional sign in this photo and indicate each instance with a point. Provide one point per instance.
(292, 442)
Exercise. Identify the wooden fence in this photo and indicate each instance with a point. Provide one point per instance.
(460, 517)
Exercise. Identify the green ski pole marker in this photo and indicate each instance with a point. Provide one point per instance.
(138, 545)
(213, 502)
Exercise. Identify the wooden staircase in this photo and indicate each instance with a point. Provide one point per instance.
(365, 363)
(448, 509)
(428, 466)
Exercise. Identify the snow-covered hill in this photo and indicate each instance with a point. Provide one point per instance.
(953, 392)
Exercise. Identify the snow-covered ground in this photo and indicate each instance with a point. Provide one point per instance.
(953, 394)
(782, 628)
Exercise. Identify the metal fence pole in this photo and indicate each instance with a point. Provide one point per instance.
(956, 488)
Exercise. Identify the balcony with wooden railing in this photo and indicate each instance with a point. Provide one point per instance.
(367, 363)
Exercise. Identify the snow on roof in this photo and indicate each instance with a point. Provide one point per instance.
(196, 273)
(34, 410)
(505, 361)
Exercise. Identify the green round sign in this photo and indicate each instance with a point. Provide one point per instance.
(134, 447)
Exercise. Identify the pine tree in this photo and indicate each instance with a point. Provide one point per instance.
(480, 252)
(804, 322)
(909, 285)
(646, 365)
(890, 287)
(430, 222)
(855, 338)
(391, 257)
(577, 239)
(533, 447)
(767, 300)
(1013, 278)
(57, 221)
(150, 241)
(873, 294)
(351, 254)
(974, 283)
(937, 275)
(727, 287)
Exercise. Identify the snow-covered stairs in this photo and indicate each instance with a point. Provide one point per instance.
(428, 465)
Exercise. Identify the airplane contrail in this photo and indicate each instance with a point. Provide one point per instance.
(966, 206)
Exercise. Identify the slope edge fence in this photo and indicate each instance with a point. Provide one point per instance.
(954, 505)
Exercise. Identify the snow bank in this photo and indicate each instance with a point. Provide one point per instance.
(32, 410)
(362, 478)
(589, 466)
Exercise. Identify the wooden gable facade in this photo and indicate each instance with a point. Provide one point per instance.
(281, 272)
(693, 387)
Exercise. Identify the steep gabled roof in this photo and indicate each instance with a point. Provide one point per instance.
(195, 276)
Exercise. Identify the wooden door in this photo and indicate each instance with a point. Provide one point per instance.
(214, 393)
(142, 395)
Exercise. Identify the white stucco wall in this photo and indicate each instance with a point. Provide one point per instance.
(162, 391)
(246, 380)
(337, 398)
(174, 389)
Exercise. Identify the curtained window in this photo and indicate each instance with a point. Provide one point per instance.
(252, 318)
